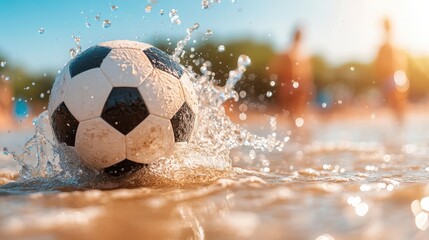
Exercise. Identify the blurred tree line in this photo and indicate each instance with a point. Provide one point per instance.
(351, 82)
(27, 87)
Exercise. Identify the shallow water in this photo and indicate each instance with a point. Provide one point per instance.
(354, 179)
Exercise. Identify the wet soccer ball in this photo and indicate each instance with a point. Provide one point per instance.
(122, 105)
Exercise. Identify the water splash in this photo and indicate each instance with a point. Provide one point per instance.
(77, 49)
(178, 51)
(204, 159)
(174, 17)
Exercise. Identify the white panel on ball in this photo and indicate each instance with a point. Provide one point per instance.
(87, 93)
(126, 44)
(126, 67)
(162, 93)
(59, 89)
(150, 140)
(191, 96)
(99, 144)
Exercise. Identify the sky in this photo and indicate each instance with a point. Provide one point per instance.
(339, 30)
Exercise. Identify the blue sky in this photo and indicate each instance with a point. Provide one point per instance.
(341, 30)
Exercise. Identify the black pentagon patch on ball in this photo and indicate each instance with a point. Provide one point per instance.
(64, 125)
(124, 167)
(162, 61)
(183, 123)
(124, 109)
(88, 59)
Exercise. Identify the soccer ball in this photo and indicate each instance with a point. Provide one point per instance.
(121, 105)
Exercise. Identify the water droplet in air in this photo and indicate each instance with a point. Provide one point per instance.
(3, 63)
(173, 12)
(88, 24)
(7, 78)
(42, 95)
(41, 30)
(76, 39)
(269, 94)
(72, 52)
(299, 122)
(243, 60)
(242, 116)
(5, 151)
(243, 94)
(295, 84)
(209, 32)
(174, 17)
(352, 69)
(221, 48)
(114, 7)
(148, 8)
(106, 23)
(205, 4)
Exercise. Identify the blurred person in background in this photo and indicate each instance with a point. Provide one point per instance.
(294, 80)
(390, 67)
(6, 106)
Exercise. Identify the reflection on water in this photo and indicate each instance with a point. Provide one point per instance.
(337, 187)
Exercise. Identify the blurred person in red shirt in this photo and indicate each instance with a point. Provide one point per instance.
(294, 80)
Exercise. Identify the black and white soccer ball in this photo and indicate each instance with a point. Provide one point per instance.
(121, 105)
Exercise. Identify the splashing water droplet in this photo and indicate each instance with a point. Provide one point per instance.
(3, 64)
(205, 4)
(174, 17)
(76, 39)
(98, 17)
(178, 51)
(114, 7)
(106, 23)
(295, 84)
(42, 95)
(148, 8)
(221, 48)
(244, 60)
(161, 12)
(41, 30)
(88, 25)
(352, 69)
(299, 122)
(72, 52)
(209, 32)
(269, 94)
(5, 151)
(7, 78)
